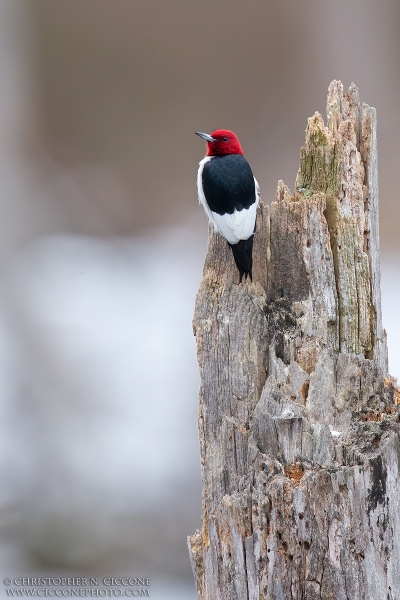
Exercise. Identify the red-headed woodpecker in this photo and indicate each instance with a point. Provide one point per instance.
(229, 193)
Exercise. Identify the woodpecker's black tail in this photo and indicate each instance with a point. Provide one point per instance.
(243, 255)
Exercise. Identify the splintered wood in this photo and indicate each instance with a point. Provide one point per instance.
(298, 419)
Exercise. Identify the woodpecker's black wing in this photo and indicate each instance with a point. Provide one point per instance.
(228, 184)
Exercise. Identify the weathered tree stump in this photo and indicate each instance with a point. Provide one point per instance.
(298, 419)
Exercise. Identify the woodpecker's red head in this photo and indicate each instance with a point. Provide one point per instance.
(221, 141)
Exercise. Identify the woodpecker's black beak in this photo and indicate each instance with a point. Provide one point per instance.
(205, 136)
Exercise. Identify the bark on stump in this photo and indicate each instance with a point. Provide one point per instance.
(298, 419)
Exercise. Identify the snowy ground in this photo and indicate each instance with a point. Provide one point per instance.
(391, 309)
(99, 407)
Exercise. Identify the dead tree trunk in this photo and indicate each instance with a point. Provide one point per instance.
(298, 420)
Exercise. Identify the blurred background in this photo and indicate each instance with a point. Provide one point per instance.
(102, 243)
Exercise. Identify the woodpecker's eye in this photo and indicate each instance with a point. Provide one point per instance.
(224, 139)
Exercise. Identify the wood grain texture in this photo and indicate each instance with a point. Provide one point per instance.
(298, 419)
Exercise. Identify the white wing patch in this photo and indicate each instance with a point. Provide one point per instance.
(237, 226)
